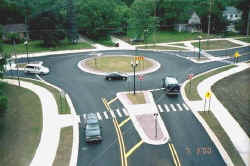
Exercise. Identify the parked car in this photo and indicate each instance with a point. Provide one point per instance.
(171, 85)
(92, 128)
(36, 68)
(116, 76)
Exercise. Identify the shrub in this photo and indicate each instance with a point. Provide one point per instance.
(9, 37)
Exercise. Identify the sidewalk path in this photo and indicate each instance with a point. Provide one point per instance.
(52, 124)
(142, 116)
(237, 135)
(122, 44)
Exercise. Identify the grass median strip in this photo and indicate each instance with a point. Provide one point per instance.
(20, 127)
(62, 104)
(65, 147)
(161, 47)
(223, 137)
(192, 93)
(215, 44)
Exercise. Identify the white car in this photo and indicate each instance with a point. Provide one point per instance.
(36, 69)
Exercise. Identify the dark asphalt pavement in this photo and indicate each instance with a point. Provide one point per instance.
(86, 91)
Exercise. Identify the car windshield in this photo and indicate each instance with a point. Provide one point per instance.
(93, 126)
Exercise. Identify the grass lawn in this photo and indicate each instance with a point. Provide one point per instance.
(138, 98)
(107, 43)
(247, 40)
(63, 154)
(20, 127)
(234, 94)
(219, 44)
(161, 47)
(192, 93)
(116, 63)
(171, 36)
(36, 46)
(63, 106)
(223, 137)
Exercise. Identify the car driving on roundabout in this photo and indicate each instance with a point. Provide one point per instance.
(116, 76)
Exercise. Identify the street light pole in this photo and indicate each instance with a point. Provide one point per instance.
(155, 115)
(14, 46)
(134, 65)
(26, 44)
(199, 46)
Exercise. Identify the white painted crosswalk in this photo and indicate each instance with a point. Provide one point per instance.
(122, 112)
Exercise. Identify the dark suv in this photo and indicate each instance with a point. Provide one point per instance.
(170, 84)
(92, 128)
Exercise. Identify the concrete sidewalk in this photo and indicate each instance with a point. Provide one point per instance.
(52, 123)
(237, 135)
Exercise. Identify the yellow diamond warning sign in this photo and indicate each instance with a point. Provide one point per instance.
(236, 54)
(208, 95)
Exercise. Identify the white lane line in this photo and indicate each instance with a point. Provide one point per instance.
(185, 106)
(99, 116)
(166, 107)
(105, 115)
(125, 111)
(84, 116)
(112, 113)
(179, 106)
(172, 106)
(159, 106)
(118, 112)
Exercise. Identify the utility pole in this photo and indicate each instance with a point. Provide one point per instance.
(248, 20)
(71, 22)
(209, 18)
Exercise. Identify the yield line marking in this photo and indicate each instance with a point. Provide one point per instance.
(185, 106)
(124, 122)
(112, 113)
(133, 149)
(118, 112)
(172, 106)
(166, 107)
(179, 106)
(159, 106)
(125, 111)
(105, 115)
(99, 116)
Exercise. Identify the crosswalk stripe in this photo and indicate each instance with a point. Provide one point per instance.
(84, 116)
(112, 113)
(185, 106)
(125, 111)
(166, 107)
(105, 115)
(159, 106)
(172, 106)
(99, 116)
(118, 112)
(179, 106)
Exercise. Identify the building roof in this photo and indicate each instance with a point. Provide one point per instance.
(194, 19)
(15, 28)
(231, 10)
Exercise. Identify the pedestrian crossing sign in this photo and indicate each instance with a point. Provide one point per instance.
(208, 95)
(236, 54)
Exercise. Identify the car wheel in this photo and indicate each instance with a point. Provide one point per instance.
(109, 78)
(124, 78)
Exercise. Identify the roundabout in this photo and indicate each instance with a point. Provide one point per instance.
(103, 65)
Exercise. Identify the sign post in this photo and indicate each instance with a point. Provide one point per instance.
(207, 96)
(190, 76)
(140, 78)
(155, 115)
(236, 57)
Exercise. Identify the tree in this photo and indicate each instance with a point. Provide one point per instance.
(142, 20)
(49, 28)
(98, 19)
(244, 6)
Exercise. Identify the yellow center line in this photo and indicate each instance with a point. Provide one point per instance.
(111, 101)
(119, 135)
(134, 148)
(177, 158)
(124, 122)
(170, 147)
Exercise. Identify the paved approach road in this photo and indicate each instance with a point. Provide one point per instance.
(86, 91)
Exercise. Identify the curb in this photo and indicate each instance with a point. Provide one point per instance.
(75, 144)
(209, 131)
(155, 67)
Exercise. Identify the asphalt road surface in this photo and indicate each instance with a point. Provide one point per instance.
(86, 90)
